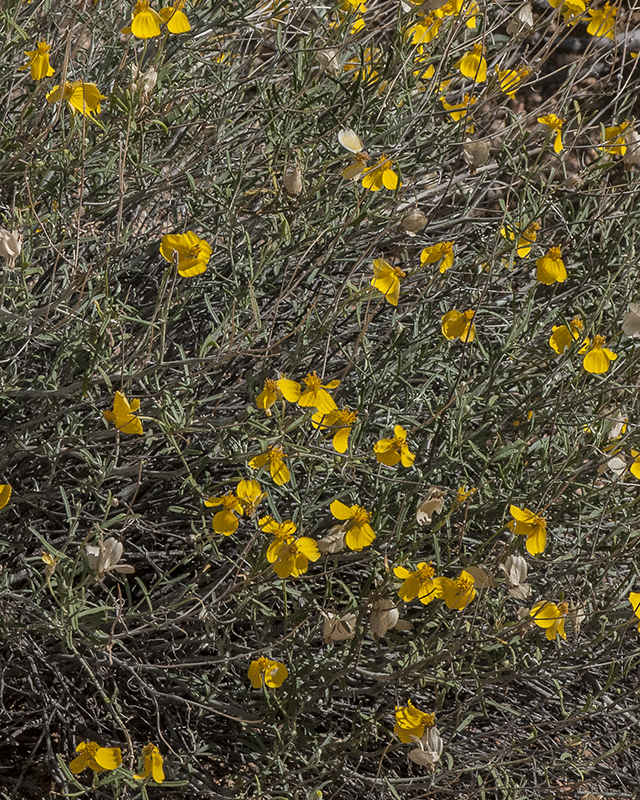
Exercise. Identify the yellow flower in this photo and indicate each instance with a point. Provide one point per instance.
(436, 252)
(463, 494)
(571, 10)
(458, 325)
(145, 23)
(421, 56)
(191, 253)
(359, 533)
(289, 555)
(225, 521)
(599, 357)
(175, 18)
(425, 31)
(551, 268)
(419, 583)
(386, 279)
(534, 527)
(122, 414)
(551, 617)
(473, 64)
(340, 422)
(614, 141)
(634, 599)
(555, 125)
(80, 96)
(525, 240)
(345, 9)
(563, 337)
(458, 593)
(363, 69)
(510, 79)
(458, 110)
(603, 21)
(316, 396)
(277, 390)
(392, 451)
(410, 722)
(95, 757)
(634, 468)
(152, 764)
(5, 494)
(39, 62)
(265, 670)
(381, 174)
(275, 457)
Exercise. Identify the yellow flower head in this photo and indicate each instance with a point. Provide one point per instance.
(275, 457)
(614, 140)
(458, 325)
(563, 337)
(225, 521)
(555, 125)
(443, 251)
(175, 18)
(458, 593)
(265, 670)
(386, 279)
(145, 23)
(315, 394)
(424, 31)
(603, 21)
(473, 64)
(359, 533)
(80, 96)
(39, 62)
(289, 555)
(411, 722)
(5, 494)
(534, 527)
(572, 10)
(122, 414)
(525, 240)
(510, 79)
(598, 358)
(381, 174)
(188, 250)
(458, 111)
(364, 70)
(420, 583)
(95, 757)
(634, 599)
(551, 617)
(283, 388)
(392, 451)
(338, 422)
(153, 762)
(550, 268)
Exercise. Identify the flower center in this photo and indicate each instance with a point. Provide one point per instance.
(276, 453)
(426, 572)
(194, 251)
(361, 516)
(563, 608)
(463, 585)
(347, 417)
(141, 5)
(270, 385)
(229, 500)
(313, 382)
(598, 342)
(428, 720)
(400, 273)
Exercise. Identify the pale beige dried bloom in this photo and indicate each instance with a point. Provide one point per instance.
(385, 616)
(516, 570)
(328, 59)
(333, 542)
(338, 629)
(429, 748)
(576, 616)
(10, 244)
(414, 222)
(292, 180)
(144, 82)
(617, 465)
(631, 321)
(522, 22)
(476, 153)
(631, 156)
(483, 578)
(618, 427)
(105, 556)
(432, 503)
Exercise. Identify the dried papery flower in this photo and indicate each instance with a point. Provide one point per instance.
(631, 321)
(617, 465)
(576, 616)
(338, 629)
(292, 180)
(105, 557)
(414, 222)
(631, 156)
(618, 427)
(522, 22)
(516, 570)
(10, 244)
(432, 503)
(483, 578)
(144, 82)
(333, 542)
(328, 59)
(429, 748)
(385, 616)
(476, 154)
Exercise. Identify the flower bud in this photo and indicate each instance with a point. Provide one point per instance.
(292, 180)
(476, 153)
